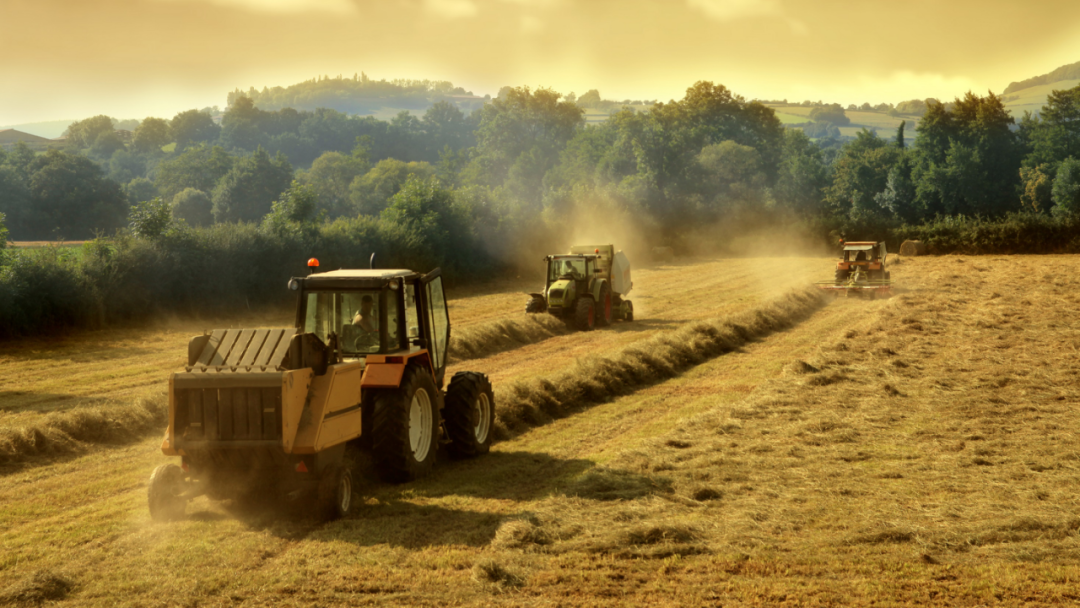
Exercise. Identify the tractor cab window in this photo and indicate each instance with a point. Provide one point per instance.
(440, 322)
(412, 322)
(573, 268)
(355, 316)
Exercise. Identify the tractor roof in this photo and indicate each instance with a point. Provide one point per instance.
(859, 246)
(363, 274)
(355, 279)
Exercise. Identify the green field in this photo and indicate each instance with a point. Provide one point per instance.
(1034, 98)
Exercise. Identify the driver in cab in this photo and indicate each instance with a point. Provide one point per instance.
(364, 318)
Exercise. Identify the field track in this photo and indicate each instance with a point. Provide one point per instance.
(911, 451)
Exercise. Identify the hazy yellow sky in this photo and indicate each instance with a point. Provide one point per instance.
(137, 58)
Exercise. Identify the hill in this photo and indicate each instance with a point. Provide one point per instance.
(50, 129)
(1065, 72)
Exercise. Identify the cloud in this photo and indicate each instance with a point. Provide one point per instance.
(730, 10)
(452, 9)
(285, 6)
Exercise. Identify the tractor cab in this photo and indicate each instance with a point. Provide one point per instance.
(366, 314)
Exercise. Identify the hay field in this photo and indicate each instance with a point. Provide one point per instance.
(912, 451)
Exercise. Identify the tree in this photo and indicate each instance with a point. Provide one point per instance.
(106, 143)
(330, 176)
(430, 223)
(150, 219)
(522, 123)
(859, 173)
(69, 194)
(140, 189)
(14, 199)
(1038, 184)
(370, 194)
(194, 207)
(3, 232)
(731, 173)
(294, 213)
(1066, 190)
(900, 135)
(200, 167)
(151, 135)
(241, 126)
(84, 133)
(1055, 134)
(832, 114)
(125, 166)
(803, 175)
(191, 127)
(967, 158)
(246, 192)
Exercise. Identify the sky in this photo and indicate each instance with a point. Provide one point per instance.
(70, 59)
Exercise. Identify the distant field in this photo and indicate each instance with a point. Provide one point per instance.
(1034, 98)
(37, 244)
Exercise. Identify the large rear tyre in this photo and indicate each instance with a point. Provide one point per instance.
(404, 427)
(585, 314)
(335, 492)
(535, 305)
(469, 414)
(629, 311)
(166, 493)
(606, 313)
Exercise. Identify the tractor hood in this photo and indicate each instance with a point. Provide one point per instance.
(561, 292)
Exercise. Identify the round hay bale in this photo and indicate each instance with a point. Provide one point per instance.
(912, 248)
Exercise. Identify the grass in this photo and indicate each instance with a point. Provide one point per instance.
(911, 451)
(1034, 98)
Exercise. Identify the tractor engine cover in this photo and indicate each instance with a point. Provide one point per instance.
(620, 274)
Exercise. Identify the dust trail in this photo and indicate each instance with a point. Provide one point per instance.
(524, 405)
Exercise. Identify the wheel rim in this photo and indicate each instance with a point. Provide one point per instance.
(420, 424)
(482, 412)
(345, 493)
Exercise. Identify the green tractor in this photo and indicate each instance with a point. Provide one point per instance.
(588, 285)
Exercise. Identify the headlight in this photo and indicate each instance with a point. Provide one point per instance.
(294, 284)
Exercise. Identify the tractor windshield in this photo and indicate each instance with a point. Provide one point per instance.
(359, 318)
(567, 268)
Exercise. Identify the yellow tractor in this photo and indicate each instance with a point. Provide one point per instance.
(281, 410)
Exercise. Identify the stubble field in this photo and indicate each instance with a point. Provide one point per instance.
(746, 442)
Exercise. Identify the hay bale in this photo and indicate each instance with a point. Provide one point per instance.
(912, 248)
(663, 254)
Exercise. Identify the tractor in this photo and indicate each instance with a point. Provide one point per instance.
(588, 286)
(863, 261)
(861, 272)
(282, 412)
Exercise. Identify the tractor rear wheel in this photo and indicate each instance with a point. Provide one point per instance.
(166, 493)
(469, 414)
(535, 305)
(404, 427)
(585, 314)
(629, 310)
(335, 492)
(603, 319)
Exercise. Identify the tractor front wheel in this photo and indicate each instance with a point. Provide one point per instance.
(166, 493)
(404, 427)
(535, 305)
(606, 312)
(585, 314)
(469, 414)
(629, 310)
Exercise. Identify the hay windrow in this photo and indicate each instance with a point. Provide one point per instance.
(74, 430)
(523, 405)
(484, 340)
